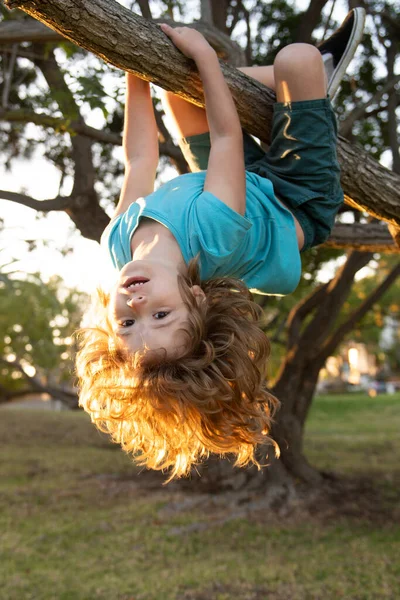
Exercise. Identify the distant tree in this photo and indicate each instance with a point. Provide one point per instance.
(37, 321)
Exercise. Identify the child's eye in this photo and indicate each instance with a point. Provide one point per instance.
(127, 323)
(161, 314)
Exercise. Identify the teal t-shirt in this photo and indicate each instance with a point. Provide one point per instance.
(259, 248)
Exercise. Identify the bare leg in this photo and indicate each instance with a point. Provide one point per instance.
(299, 74)
(188, 118)
(264, 75)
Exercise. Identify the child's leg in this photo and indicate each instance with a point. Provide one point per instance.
(188, 118)
(191, 127)
(301, 161)
(298, 73)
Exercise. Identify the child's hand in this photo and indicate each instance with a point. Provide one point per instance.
(189, 41)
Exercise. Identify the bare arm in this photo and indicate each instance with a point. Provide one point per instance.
(226, 172)
(140, 143)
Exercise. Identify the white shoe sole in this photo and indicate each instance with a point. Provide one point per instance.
(354, 40)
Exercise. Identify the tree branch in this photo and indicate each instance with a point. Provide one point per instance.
(391, 56)
(332, 342)
(28, 30)
(365, 237)
(145, 9)
(62, 393)
(58, 203)
(309, 21)
(336, 292)
(8, 75)
(300, 312)
(347, 124)
(32, 30)
(62, 125)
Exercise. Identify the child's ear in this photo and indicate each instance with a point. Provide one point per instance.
(198, 293)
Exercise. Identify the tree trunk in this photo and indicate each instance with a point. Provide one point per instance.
(310, 343)
(125, 39)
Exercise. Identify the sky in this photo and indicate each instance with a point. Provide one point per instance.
(87, 266)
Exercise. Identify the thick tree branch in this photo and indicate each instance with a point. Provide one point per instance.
(27, 31)
(31, 30)
(395, 233)
(365, 237)
(122, 38)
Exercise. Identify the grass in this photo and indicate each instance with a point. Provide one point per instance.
(78, 523)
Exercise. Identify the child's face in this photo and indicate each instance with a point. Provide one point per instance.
(146, 307)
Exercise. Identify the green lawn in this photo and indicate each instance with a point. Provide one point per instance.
(78, 523)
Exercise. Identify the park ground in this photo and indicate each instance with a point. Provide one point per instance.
(79, 522)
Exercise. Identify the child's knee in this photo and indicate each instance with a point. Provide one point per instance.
(297, 58)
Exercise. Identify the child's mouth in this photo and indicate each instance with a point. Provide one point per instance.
(135, 282)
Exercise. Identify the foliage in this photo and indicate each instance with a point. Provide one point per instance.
(369, 329)
(37, 320)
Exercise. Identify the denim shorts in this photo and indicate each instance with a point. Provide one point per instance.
(301, 163)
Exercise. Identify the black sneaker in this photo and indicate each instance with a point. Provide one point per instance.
(338, 50)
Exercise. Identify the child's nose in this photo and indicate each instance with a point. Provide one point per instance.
(136, 300)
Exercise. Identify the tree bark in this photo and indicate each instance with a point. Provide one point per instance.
(123, 39)
(31, 30)
(311, 341)
(84, 208)
(364, 237)
(298, 376)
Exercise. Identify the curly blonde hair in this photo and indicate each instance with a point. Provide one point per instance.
(170, 412)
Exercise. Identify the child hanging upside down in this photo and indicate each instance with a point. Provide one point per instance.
(173, 366)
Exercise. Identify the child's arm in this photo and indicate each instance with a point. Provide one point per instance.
(226, 172)
(140, 143)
